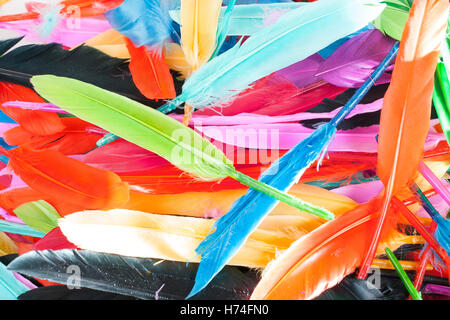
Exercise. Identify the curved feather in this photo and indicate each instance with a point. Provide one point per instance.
(321, 259)
(50, 172)
(407, 104)
(306, 30)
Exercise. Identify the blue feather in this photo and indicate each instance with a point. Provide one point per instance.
(144, 22)
(300, 32)
(10, 287)
(233, 229)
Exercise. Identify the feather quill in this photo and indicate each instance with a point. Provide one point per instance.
(407, 103)
(151, 130)
(233, 71)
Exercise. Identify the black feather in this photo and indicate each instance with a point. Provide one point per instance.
(82, 63)
(136, 277)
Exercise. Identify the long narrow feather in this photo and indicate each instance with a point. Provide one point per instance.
(146, 36)
(53, 173)
(20, 64)
(245, 215)
(407, 104)
(151, 130)
(145, 235)
(310, 28)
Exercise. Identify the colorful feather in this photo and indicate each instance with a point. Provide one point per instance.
(233, 71)
(10, 287)
(322, 258)
(249, 210)
(407, 103)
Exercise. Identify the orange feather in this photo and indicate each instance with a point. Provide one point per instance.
(322, 258)
(51, 172)
(406, 108)
(150, 72)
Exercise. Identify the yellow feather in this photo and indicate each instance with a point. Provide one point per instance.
(216, 204)
(7, 246)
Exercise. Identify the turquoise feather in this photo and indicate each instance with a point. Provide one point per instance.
(10, 287)
(300, 33)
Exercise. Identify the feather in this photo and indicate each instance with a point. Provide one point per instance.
(150, 72)
(145, 235)
(233, 71)
(199, 20)
(393, 18)
(216, 204)
(110, 42)
(136, 277)
(303, 73)
(246, 19)
(275, 96)
(322, 258)
(20, 64)
(158, 133)
(53, 240)
(7, 246)
(34, 121)
(249, 210)
(151, 24)
(39, 215)
(351, 64)
(407, 103)
(19, 228)
(11, 199)
(441, 88)
(50, 172)
(59, 292)
(223, 28)
(67, 32)
(10, 287)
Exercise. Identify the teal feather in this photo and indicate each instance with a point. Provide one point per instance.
(10, 287)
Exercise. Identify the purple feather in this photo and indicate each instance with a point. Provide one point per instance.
(352, 63)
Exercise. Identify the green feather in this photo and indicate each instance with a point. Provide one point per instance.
(393, 18)
(154, 131)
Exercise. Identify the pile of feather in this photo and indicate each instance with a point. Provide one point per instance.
(209, 149)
